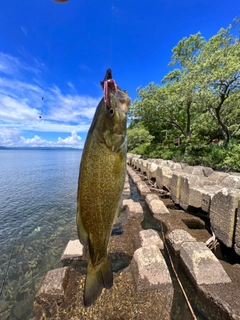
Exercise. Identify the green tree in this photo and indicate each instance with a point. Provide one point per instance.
(137, 136)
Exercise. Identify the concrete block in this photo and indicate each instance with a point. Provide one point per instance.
(215, 178)
(152, 170)
(134, 209)
(231, 181)
(177, 237)
(150, 272)
(72, 252)
(237, 233)
(149, 237)
(54, 285)
(156, 205)
(202, 264)
(143, 188)
(163, 177)
(223, 210)
(187, 182)
(176, 185)
(136, 178)
(207, 196)
(198, 170)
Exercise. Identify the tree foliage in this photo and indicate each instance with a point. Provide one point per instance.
(199, 100)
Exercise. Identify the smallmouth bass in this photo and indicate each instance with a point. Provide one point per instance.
(100, 186)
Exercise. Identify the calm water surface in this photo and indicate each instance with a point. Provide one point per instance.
(38, 190)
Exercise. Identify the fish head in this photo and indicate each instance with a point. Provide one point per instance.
(114, 120)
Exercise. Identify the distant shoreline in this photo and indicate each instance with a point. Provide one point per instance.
(39, 148)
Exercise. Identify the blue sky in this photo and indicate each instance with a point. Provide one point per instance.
(61, 52)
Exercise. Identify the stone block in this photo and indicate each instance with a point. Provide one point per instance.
(176, 185)
(134, 209)
(223, 210)
(231, 181)
(135, 178)
(163, 177)
(207, 196)
(152, 170)
(149, 237)
(72, 252)
(143, 188)
(150, 272)
(54, 285)
(187, 182)
(177, 237)
(237, 233)
(215, 178)
(156, 206)
(198, 170)
(202, 264)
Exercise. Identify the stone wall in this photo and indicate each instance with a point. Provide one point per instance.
(216, 193)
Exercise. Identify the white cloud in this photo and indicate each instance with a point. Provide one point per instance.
(13, 138)
(27, 104)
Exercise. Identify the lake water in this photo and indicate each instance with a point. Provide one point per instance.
(38, 190)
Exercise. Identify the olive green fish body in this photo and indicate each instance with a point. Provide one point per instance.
(101, 180)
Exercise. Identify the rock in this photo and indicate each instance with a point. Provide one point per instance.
(72, 252)
(156, 205)
(202, 264)
(177, 237)
(134, 209)
(148, 237)
(223, 214)
(150, 272)
(143, 188)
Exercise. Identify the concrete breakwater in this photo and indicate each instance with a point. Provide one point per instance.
(143, 286)
(215, 193)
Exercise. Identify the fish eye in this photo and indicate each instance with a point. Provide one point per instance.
(111, 112)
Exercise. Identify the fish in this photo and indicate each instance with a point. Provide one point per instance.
(100, 185)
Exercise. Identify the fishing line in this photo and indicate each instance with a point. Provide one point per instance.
(111, 33)
(8, 265)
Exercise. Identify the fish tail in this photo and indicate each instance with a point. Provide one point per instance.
(97, 278)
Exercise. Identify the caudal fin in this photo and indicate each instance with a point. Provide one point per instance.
(97, 278)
